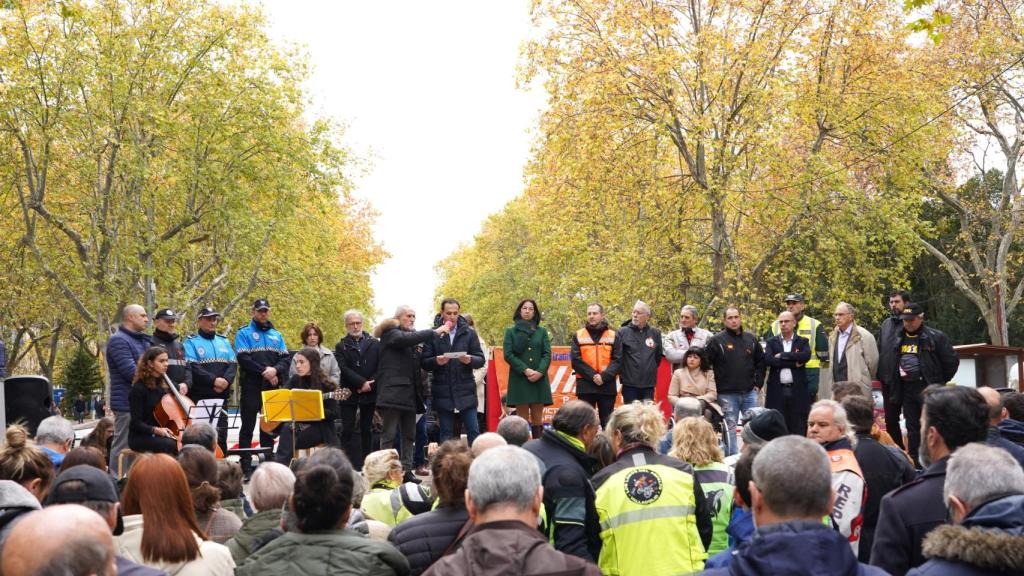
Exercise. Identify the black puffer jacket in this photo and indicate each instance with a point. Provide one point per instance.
(399, 378)
(358, 361)
(423, 539)
(453, 386)
(738, 360)
(641, 354)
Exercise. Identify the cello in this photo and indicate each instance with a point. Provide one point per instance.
(173, 413)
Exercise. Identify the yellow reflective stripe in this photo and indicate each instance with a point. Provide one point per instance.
(646, 514)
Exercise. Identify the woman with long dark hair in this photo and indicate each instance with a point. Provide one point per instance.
(145, 434)
(309, 376)
(160, 527)
(527, 349)
(695, 379)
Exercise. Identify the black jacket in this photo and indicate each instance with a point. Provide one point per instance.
(889, 332)
(585, 372)
(795, 359)
(177, 369)
(939, 361)
(358, 366)
(641, 354)
(423, 538)
(738, 361)
(905, 516)
(453, 386)
(569, 499)
(884, 471)
(399, 378)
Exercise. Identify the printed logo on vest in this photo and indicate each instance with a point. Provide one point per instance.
(201, 351)
(255, 336)
(643, 486)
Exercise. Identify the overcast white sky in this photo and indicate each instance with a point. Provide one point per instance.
(427, 90)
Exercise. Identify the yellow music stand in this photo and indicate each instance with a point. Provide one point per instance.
(293, 405)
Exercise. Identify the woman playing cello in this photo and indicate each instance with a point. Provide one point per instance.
(145, 434)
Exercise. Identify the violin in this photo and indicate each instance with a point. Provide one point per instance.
(173, 413)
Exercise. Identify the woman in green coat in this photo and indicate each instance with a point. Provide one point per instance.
(527, 349)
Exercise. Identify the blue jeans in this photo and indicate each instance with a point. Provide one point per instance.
(734, 404)
(470, 425)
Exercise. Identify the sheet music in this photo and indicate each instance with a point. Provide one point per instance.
(207, 410)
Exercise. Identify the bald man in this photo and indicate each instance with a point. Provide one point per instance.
(124, 348)
(485, 442)
(996, 414)
(786, 355)
(62, 539)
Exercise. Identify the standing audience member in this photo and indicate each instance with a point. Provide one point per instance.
(852, 353)
(426, 538)
(358, 353)
(689, 335)
(399, 380)
(790, 492)
(485, 442)
(514, 429)
(321, 505)
(814, 332)
(160, 528)
(92, 487)
(124, 349)
(694, 441)
(145, 434)
(504, 497)
(527, 349)
(996, 414)
(229, 482)
(924, 357)
(213, 365)
(595, 354)
(54, 436)
(738, 361)
(571, 523)
(741, 525)
(952, 417)
(984, 491)
(80, 409)
(480, 376)
(644, 493)
(263, 361)
(309, 376)
(695, 379)
(641, 353)
(889, 333)
(269, 490)
(200, 469)
(453, 387)
(26, 474)
(884, 469)
(164, 334)
(827, 426)
(786, 355)
(312, 336)
(64, 539)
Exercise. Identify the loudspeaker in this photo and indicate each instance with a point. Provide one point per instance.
(28, 399)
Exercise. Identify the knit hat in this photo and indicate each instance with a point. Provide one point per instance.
(765, 427)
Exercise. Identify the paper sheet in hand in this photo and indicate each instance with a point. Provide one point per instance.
(454, 354)
(287, 405)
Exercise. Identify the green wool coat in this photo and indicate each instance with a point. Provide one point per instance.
(341, 553)
(527, 346)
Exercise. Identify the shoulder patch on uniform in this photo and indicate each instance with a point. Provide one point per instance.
(643, 486)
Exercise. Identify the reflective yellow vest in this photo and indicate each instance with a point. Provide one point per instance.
(385, 504)
(808, 328)
(648, 516)
(717, 482)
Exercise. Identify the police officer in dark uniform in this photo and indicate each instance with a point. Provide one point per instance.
(164, 334)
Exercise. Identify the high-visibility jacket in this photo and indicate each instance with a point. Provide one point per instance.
(393, 506)
(717, 481)
(648, 506)
(808, 328)
(851, 493)
(597, 355)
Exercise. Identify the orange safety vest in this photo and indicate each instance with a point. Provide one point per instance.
(844, 460)
(597, 355)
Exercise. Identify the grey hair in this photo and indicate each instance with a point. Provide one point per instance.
(838, 414)
(506, 475)
(686, 408)
(514, 429)
(793, 475)
(691, 309)
(271, 485)
(849, 308)
(199, 433)
(55, 430)
(82, 555)
(353, 312)
(402, 309)
(643, 305)
(978, 473)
